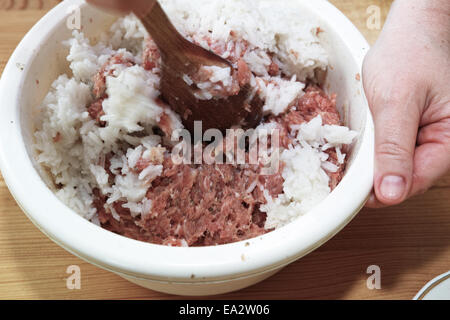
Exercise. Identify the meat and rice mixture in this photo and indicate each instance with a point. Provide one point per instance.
(106, 136)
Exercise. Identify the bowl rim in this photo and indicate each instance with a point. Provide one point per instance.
(432, 285)
(156, 262)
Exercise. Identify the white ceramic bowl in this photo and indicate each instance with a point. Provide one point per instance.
(436, 289)
(40, 58)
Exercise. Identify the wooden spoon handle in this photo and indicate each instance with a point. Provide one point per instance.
(176, 51)
(166, 37)
(153, 18)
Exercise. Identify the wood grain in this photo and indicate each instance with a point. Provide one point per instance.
(410, 242)
(27, 4)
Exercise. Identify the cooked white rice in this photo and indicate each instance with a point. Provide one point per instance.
(77, 161)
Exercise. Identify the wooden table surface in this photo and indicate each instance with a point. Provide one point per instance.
(410, 242)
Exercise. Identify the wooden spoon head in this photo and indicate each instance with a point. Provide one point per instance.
(243, 109)
(181, 58)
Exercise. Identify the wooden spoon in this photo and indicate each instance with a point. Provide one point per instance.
(181, 58)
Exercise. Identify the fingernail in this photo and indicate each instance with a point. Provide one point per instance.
(393, 187)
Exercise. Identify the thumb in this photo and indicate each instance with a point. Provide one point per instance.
(396, 108)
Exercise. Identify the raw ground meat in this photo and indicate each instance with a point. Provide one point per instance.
(201, 205)
(313, 103)
(151, 57)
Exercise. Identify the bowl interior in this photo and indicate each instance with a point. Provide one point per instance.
(341, 78)
(44, 59)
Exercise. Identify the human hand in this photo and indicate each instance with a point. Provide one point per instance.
(407, 83)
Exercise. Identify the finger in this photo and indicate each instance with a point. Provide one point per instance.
(373, 202)
(396, 109)
(431, 160)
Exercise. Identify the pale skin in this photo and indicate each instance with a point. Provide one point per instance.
(407, 82)
(406, 78)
